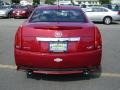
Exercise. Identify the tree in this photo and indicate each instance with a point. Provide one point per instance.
(36, 2)
(72, 2)
(50, 1)
(105, 1)
(15, 1)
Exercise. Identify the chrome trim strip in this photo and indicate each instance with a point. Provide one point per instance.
(74, 39)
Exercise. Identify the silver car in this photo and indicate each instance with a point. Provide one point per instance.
(102, 14)
(5, 11)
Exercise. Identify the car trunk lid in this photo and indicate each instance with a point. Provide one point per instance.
(58, 37)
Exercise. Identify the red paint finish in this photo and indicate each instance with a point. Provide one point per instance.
(46, 60)
(35, 55)
(22, 12)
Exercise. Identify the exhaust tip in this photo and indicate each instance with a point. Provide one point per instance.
(86, 72)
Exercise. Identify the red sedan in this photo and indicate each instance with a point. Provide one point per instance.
(58, 40)
(22, 12)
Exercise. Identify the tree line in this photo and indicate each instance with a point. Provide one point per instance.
(52, 1)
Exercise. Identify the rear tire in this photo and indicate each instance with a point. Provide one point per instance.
(87, 75)
(97, 74)
(9, 15)
(107, 20)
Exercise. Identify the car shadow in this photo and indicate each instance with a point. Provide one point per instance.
(113, 23)
(65, 78)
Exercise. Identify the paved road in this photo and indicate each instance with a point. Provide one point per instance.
(10, 79)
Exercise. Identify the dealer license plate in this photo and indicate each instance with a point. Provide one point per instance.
(58, 46)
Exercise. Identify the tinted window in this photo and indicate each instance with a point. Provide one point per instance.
(58, 16)
(105, 10)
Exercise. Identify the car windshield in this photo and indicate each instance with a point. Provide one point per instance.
(58, 16)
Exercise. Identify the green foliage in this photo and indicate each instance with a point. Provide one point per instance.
(105, 1)
(50, 1)
(15, 1)
(36, 2)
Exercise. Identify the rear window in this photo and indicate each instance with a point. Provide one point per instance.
(58, 16)
(21, 7)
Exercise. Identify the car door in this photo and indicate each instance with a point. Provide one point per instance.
(89, 13)
(97, 14)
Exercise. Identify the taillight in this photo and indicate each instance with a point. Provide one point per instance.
(13, 11)
(23, 11)
(18, 38)
(98, 41)
(118, 12)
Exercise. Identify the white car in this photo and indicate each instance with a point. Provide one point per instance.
(102, 14)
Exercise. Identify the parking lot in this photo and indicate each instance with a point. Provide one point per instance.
(10, 79)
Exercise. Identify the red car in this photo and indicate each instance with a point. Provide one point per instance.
(22, 11)
(58, 40)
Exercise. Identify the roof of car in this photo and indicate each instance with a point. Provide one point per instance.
(99, 7)
(58, 7)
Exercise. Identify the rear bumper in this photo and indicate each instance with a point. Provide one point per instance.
(116, 18)
(44, 62)
(59, 71)
(3, 15)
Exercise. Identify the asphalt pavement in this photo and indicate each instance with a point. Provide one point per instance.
(10, 79)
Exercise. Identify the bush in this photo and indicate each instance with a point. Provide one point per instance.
(15, 1)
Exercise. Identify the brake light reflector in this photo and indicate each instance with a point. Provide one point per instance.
(18, 38)
(98, 41)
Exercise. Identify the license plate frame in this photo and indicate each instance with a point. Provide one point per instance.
(58, 46)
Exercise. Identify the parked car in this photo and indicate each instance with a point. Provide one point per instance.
(22, 11)
(5, 11)
(102, 14)
(114, 7)
(58, 40)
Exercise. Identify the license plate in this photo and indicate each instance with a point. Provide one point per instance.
(58, 46)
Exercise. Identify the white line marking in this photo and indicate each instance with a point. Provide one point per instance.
(103, 74)
(8, 66)
(110, 75)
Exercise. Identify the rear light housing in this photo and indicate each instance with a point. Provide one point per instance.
(23, 11)
(13, 11)
(98, 40)
(18, 38)
(118, 12)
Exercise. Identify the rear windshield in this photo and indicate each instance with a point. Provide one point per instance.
(58, 16)
(20, 7)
